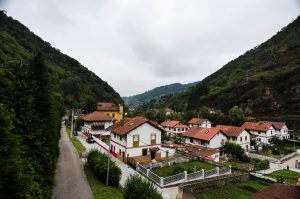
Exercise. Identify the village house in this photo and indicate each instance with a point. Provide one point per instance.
(138, 139)
(262, 131)
(111, 109)
(96, 124)
(168, 111)
(199, 122)
(174, 127)
(208, 137)
(238, 135)
(281, 130)
(203, 152)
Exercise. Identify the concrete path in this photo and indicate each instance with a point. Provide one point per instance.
(70, 179)
(167, 193)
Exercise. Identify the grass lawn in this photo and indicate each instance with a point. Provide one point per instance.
(100, 190)
(80, 148)
(239, 190)
(289, 177)
(167, 171)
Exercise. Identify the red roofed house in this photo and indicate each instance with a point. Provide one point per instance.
(238, 135)
(208, 137)
(137, 138)
(263, 130)
(199, 122)
(281, 130)
(95, 123)
(174, 127)
(203, 152)
(111, 109)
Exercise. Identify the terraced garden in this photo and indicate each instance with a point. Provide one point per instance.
(287, 176)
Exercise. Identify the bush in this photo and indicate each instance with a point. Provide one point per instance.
(137, 187)
(97, 161)
(261, 164)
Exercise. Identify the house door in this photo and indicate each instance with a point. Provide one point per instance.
(123, 155)
(153, 155)
(247, 149)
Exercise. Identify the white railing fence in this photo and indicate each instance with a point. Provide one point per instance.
(262, 157)
(182, 177)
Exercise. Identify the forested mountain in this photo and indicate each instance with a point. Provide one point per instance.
(76, 84)
(138, 100)
(265, 81)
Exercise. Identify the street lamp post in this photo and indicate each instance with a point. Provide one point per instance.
(72, 123)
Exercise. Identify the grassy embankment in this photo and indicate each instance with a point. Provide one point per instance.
(77, 144)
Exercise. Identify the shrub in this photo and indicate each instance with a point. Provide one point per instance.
(97, 161)
(137, 187)
(177, 170)
(261, 165)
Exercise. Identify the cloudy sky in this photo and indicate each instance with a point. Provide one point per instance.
(136, 45)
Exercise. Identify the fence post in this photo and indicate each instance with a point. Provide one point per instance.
(137, 166)
(185, 176)
(161, 165)
(150, 166)
(161, 182)
(148, 172)
(230, 169)
(218, 171)
(202, 170)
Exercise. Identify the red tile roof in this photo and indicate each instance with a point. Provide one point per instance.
(96, 117)
(277, 125)
(107, 106)
(202, 133)
(231, 131)
(200, 151)
(171, 123)
(197, 121)
(278, 191)
(257, 126)
(125, 126)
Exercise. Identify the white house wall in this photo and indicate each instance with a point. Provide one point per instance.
(245, 135)
(216, 141)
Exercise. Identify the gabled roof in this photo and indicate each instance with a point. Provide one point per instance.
(198, 121)
(128, 124)
(277, 125)
(96, 117)
(107, 106)
(171, 123)
(231, 131)
(202, 133)
(257, 126)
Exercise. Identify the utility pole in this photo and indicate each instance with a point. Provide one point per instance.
(107, 173)
(72, 123)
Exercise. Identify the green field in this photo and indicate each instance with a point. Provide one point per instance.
(187, 166)
(289, 177)
(100, 190)
(239, 190)
(77, 144)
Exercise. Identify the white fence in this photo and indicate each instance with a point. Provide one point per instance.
(262, 157)
(182, 177)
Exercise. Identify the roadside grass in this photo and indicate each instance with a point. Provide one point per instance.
(77, 144)
(187, 166)
(239, 190)
(100, 190)
(289, 177)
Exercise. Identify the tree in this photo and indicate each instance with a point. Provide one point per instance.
(236, 115)
(137, 187)
(234, 149)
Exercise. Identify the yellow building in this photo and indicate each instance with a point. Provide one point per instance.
(111, 109)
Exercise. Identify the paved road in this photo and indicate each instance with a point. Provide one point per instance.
(70, 179)
(167, 193)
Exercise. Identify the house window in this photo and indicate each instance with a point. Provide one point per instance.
(121, 137)
(144, 151)
(241, 139)
(115, 135)
(245, 138)
(191, 140)
(153, 139)
(136, 139)
(120, 151)
(113, 115)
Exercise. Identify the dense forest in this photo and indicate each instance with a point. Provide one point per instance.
(30, 112)
(265, 81)
(136, 101)
(76, 85)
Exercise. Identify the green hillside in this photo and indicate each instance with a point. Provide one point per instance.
(138, 100)
(76, 84)
(265, 81)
